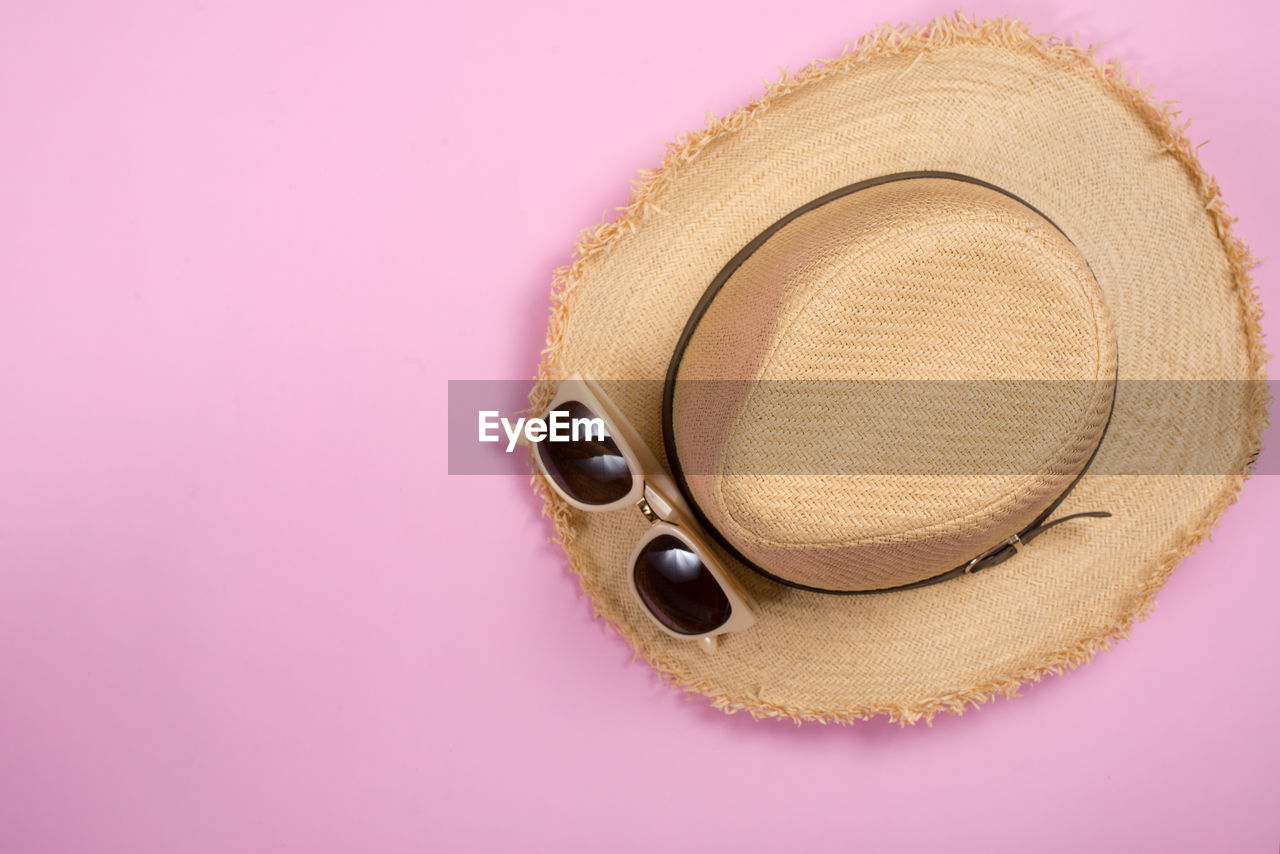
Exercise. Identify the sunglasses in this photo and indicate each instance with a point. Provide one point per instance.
(596, 462)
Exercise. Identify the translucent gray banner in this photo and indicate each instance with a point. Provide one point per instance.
(1166, 427)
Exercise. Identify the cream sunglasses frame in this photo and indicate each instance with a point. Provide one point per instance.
(658, 498)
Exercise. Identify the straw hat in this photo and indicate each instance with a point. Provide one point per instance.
(959, 282)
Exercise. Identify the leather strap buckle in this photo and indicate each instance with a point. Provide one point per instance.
(1015, 541)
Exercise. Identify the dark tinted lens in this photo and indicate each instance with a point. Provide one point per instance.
(678, 588)
(591, 469)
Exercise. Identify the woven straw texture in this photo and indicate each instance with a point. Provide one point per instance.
(1044, 121)
(884, 333)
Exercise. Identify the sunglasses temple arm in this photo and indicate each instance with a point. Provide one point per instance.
(670, 494)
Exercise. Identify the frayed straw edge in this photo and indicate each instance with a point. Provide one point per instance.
(888, 40)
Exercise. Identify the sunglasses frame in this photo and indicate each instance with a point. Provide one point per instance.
(658, 498)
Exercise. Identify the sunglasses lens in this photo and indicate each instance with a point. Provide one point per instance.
(678, 589)
(590, 468)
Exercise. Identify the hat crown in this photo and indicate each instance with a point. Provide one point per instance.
(892, 383)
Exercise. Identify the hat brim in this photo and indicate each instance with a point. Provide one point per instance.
(1044, 121)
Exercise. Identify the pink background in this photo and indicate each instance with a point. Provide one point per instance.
(243, 607)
